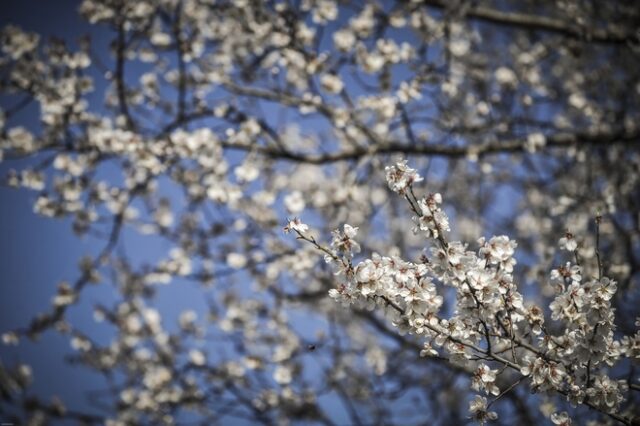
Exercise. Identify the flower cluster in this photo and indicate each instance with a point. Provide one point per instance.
(490, 317)
(400, 177)
(431, 219)
(544, 374)
(343, 241)
(484, 378)
(479, 410)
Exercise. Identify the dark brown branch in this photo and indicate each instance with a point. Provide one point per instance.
(182, 73)
(121, 89)
(561, 140)
(540, 23)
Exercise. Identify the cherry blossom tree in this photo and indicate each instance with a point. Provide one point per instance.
(462, 177)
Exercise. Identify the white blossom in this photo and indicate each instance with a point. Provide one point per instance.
(479, 411)
(484, 379)
(332, 83)
(236, 260)
(295, 202)
(401, 176)
(568, 242)
(296, 225)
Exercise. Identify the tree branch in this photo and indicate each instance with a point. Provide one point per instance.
(540, 23)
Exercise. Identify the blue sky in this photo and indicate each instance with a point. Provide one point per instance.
(36, 253)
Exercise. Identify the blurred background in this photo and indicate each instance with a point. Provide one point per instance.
(208, 124)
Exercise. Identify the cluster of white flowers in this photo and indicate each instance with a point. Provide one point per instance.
(561, 419)
(400, 176)
(17, 43)
(431, 218)
(544, 374)
(484, 378)
(332, 83)
(490, 317)
(568, 242)
(343, 241)
(479, 410)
